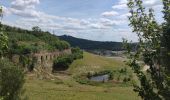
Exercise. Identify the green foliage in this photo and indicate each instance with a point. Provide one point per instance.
(36, 29)
(11, 77)
(33, 41)
(119, 76)
(61, 45)
(77, 53)
(23, 49)
(53, 41)
(166, 38)
(3, 41)
(62, 62)
(3, 44)
(153, 83)
(11, 80)
(92, 45)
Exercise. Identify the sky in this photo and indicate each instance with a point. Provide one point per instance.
(101, 20)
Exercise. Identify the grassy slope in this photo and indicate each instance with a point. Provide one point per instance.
(68, 89)
(92, 62)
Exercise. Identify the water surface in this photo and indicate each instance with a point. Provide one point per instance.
(101, 78)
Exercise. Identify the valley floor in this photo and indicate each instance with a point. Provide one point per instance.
(64, 87)
(51, 90)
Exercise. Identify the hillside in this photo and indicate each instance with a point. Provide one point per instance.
(23, 41)
(92, 45)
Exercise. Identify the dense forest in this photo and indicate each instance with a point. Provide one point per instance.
(23, 41)
(92, 45)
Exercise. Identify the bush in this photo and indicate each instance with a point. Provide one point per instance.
(77, 53)
(11, 81)
(62, 62)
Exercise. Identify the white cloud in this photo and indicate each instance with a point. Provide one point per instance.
(151, 3)
(6, 11)
(122, 4)
(24, 8)
(24, 13)
(123, 1)
(119, 6)
(110, 13)
(24, 4)
(113, 21)
(124, 16)
(95, 26)
(110, 23)
(84, 22)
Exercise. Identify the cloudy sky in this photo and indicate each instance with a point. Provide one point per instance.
(102, 20)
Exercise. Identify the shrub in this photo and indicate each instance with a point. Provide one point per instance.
(77, 53)
(11, 81)
(62, 62)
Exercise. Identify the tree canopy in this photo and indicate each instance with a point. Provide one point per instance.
(153, 51)
(11, 77)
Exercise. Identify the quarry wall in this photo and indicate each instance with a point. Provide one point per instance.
(42, 60)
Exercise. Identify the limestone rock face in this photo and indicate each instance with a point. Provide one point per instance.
(42, 60)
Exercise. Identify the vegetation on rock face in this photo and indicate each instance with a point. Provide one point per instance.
(154, 48)
(50, 39)
(77, 53)
(63, 62)
(25, 42)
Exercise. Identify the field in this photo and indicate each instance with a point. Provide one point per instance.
(66, 88)
(92, 62)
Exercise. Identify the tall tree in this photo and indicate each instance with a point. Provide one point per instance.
(154, 83)
(166, 38)
(11, 77)
(36, 29)
(3, 38)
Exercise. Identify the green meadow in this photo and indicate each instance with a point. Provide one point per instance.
(65, 87)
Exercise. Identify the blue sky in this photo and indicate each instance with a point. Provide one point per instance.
(102, 20)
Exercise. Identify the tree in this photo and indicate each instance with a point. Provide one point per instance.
(77, 53)
(11, 77)
(154, 49)
(3, 38)
(11, 81)
(1, 15)
(62, 62)
(166, 38)
(3, 44)
(36, 29)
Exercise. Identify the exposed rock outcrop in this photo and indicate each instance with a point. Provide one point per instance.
(42, 60)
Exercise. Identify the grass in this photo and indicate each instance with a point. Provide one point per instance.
(92, 62)
(50, 90)
(66, 88)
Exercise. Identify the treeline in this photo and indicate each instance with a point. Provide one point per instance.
(23, 41)
(92, 45)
